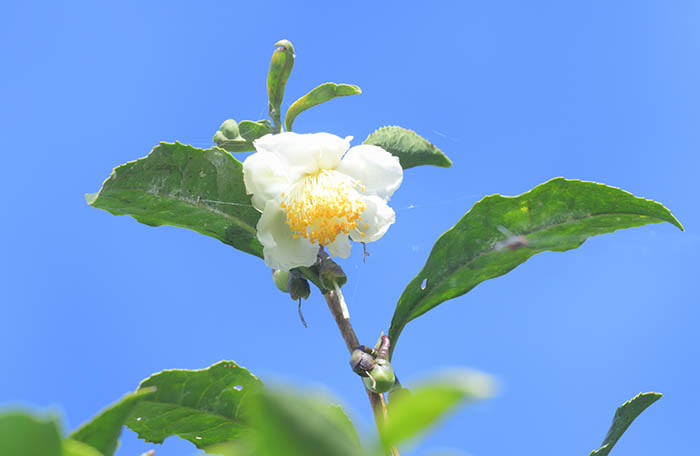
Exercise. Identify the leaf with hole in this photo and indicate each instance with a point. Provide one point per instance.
(205, 407)
(183, 186)
(624, 416)
(320, 94)
(501, 232)
(410, 148)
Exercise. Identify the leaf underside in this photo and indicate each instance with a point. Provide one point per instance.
(183, 186)
(205, 407)
(557, 215)
(411, 149)
(624, 416)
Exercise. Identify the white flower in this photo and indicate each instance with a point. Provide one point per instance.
(310, 196)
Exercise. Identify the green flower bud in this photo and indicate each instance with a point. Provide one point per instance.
(380, 379)
(229, 129)
(330, 274)
(361, 362)
(280, 278)
(298, 286)
(280, 68)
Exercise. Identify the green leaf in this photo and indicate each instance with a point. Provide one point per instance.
(344, 422)
(320, 94)
(239, 137)
(183, 186)
(103, 431)
(624, 416)
(204, 407)
(25, 435)
(558, 215)
(75, 448)
(412, 413)
(411, 149)
(251, 131)
(295, 425)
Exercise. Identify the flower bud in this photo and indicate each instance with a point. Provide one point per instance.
(361, 362)
(280, 278)
(298, 287)
(280, 68)
(381, 378)
(229, 129)
(330, 273)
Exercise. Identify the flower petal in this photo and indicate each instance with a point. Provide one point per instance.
(264, 177)
(378, 171)
(280, 249)
(328, 149)
(376, 220)
(304, 154)
(292, 150)
(340, 247)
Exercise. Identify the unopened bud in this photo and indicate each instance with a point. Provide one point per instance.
(361, 362)
(280, 278)
(280, 68)
(381, 378)
(297, 286)
(331, 274)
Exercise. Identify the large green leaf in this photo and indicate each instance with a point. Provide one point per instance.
(183, 186)
(624, 416)
(558, 215)
(411, 149)
(296, 425)
(320, 94)
(204, 406)
(412, 413)
(103, 431)
(25, 435)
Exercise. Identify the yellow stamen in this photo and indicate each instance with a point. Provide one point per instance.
(322, 206)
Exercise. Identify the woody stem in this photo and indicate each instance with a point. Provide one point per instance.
(334, 299)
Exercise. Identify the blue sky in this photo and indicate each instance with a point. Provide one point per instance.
(514, 92)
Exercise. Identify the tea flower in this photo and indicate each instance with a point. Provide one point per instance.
(312, 193)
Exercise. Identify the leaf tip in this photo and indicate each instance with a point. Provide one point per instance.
(675, 222)
(90, 198)
(447, 163)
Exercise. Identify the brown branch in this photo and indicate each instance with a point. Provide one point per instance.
(350, 338)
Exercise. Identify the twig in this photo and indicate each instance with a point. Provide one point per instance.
(334, 299)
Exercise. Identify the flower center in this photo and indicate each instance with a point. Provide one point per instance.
(323, 205)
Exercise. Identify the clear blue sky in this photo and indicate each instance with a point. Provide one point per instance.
(514, 92)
